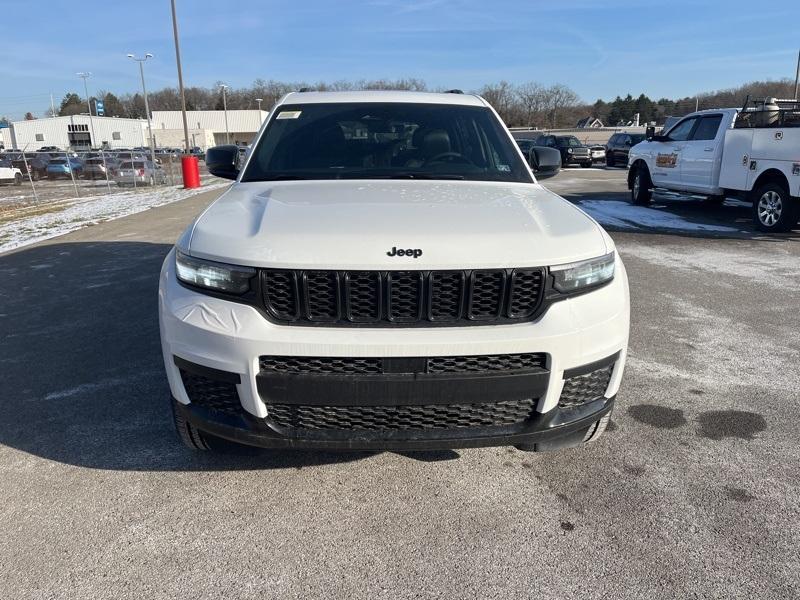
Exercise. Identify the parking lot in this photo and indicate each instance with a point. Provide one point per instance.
(693, 492)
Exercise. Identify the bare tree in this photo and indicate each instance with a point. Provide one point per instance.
(531, 97)
(557, 98)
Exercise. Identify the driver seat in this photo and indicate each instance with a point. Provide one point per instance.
(429, 143)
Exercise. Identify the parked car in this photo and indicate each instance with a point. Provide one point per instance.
(598, 153)
(198, 152)
(33, 162)
(340, 296)
(139, 172)
(619, 146)
(570, 147)
(64, 168)
(544, 162)
(100, 167)
(9, 173)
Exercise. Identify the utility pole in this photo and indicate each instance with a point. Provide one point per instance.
(52, 106)
(797, 78)
(259, 101)
(86, 76)
(225, 108)
(141, 62)
(180, 77)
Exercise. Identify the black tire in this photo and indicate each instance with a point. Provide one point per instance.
(597, 429)
(51, 177)
(191, 437)
(586, 165)
(641, 194)
(715, 200)
(609, 160)
(36, 176)
(17, 179)
(774, 210)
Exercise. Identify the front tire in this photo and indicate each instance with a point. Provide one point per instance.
(774, 210)
(191, 437)
(641, 194)
(609, 160)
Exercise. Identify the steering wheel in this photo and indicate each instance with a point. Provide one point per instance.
(449, 157)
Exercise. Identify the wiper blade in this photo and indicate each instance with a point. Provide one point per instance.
(284, 177)
(424, 176)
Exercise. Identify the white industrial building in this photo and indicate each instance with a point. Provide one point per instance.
(207, 127)
(75, 132)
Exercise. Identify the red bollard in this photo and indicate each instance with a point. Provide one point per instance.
(191, 172)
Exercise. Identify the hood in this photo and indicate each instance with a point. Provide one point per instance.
(355, 224)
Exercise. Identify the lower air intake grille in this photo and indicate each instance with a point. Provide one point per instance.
(374, 418)
(481, 363)
(315, 365)
(582, 389)
(488, 362)
(219, 396)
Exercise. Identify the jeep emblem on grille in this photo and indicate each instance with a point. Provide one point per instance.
(395, 251)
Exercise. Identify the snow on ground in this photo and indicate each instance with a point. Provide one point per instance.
(73, 214)
(624, 215)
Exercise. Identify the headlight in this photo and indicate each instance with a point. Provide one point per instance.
(569, 150)
(220, 277)
(574, 277)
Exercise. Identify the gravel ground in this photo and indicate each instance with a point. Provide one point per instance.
(693, 492)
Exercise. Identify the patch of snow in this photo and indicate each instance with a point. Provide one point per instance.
(89, 211)
(775, 268)
(623, 215)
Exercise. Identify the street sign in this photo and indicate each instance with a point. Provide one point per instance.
(99, 108)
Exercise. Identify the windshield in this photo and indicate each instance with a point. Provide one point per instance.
(636, 138)
(385, 140)
(568, 141)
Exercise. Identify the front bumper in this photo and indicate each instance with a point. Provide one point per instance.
(228, 340)
(572, 159)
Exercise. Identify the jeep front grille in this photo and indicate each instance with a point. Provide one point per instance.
(402, 298)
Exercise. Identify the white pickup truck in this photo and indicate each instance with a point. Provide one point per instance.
(751, 153)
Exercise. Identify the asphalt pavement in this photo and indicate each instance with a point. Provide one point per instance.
(693, 492)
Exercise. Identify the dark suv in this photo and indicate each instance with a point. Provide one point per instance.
(618, 147)
(34, 162)
(570, 147)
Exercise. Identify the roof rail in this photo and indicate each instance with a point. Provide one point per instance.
(304, 89)
(454, 91)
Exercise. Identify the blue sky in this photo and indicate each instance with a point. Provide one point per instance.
(600, 48)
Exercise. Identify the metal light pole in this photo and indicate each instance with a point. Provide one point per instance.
(180, 77)
(259, 101)
(189, 168)
(141, 62)
(225, 108)
(797, 78)
(86, 76)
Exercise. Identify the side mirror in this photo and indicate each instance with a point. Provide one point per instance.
(223, 161)
(650, 132)
(545, 162)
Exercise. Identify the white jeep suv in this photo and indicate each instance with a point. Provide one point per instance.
(387, 274)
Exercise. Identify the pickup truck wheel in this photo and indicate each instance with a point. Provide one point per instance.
(597, 429)
(640, 187)
(773, 209)
(191, 437)
(609, 160)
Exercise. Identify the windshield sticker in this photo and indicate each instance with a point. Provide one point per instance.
(289, 114)
(668, 161)
(504, 168)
